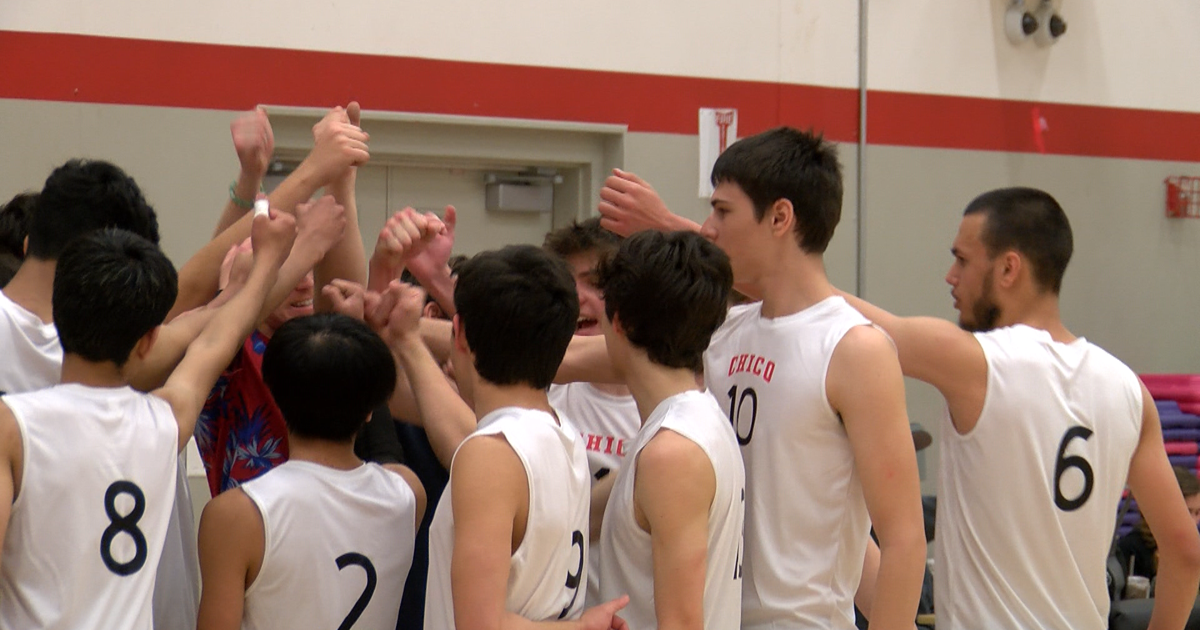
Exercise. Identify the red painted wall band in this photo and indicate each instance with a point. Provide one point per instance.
(88, 69)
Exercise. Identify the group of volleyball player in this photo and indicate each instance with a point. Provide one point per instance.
(647, 422)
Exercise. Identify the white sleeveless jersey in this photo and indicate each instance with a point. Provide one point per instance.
(339, 544)
(548, 571)
(608, 424)
(627, 563)
(1026, 499)
(32, 356)
(806, 520)
(88, 525)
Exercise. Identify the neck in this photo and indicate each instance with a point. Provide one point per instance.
(32, 287)
(1041, 312)
(795, 282)
(612, 389)
(651, 383)
(336, 455)
(490, 397)
(76, 369)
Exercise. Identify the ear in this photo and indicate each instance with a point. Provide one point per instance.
(782, 217)
(142, 349)
(432, 311)
(25, 247)
(1009, 267)
(460, 336)
(617, 326)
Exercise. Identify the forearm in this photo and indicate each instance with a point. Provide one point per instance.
(246, 188)
(601, 490)
(347, 258)
(304, 256)
(200, 275)
(586, 361)
(898, 583)
(1174, 592)
(168, 350)
(436, 335)
(441, 289)
(446, 418)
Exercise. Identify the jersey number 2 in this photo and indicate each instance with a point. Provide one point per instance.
(123, 524)
(358, 559)
(1064, 462)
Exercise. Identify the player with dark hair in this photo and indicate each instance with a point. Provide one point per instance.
(507, 540)
(814, 392)
(290, 536)
(14, 227)
(99, 443)
(672, 531)
(1043, 430)
(605, 413)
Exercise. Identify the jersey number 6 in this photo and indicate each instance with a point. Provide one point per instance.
(1063, 462)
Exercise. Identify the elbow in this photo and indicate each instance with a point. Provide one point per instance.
(1181, 549)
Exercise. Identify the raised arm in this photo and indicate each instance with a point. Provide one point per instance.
(445, 416)
(339, 146)
(939, 353)
(1161, 504)
(346, 259)
(254, 142)
(587, 361)
(865, 387)
(629, 204)
(189, 385)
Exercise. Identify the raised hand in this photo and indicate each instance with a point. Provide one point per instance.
(271, 237)
(338, 145)
(629, 204)
(323, 220)
(254, 141)
(348, 298)
(407, 234)
(433, 257)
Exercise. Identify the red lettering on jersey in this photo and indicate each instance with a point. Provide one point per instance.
(620, 448)
(742, 362)
(757, 366)
(754, 364)
(608, 447)
(733, 365)
(769, 371)
(593, 442)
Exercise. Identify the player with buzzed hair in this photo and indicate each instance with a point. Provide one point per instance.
(1042, 433)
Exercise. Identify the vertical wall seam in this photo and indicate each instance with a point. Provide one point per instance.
(860, 159)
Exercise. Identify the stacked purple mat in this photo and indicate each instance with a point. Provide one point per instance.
(1177, 397)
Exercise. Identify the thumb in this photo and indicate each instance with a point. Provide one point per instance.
(450, 219)
(632, 177)
(354, 112)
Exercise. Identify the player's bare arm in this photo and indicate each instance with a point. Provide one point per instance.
(490, 496)
(586, 361)
(601, 490)
(673, 492)
(629, 204)
(231, 544)
(11, 465)
(254, 143)
(418, 489)
(446, 417)
(207, 356)
(320, 224)
(1161, 504)
(429, 263)
(866, 388)
(338, 145)
(346, 259)
(937, 352)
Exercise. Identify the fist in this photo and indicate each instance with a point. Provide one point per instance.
(348, 298)
(404, 236)
(253, 140)
(338, 145)
(323, 221)
(271, 237)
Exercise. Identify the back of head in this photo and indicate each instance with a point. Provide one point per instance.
(581, 237)
(14, 224)
(518, 310)
(786, 163)
(111, 287)
(327, 373)
(9, 265)
(86, 195)
(1189, 485)
(670, 293)
(1031, 222)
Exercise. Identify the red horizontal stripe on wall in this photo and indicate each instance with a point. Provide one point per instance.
(88, 69)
